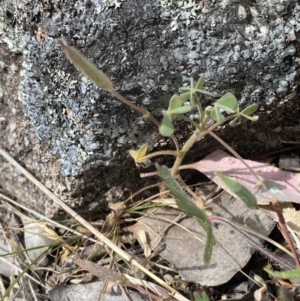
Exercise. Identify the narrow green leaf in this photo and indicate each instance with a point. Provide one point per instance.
(182, 110)
(239, 190)
(185, 202)
(200, 83)
(226, 109)
(192, 99)
(166, 128)
(204, 92)
(184, 90)
(185, 96)
(86, 67)
(216, 115)
(175, 103)
(192, 85)
(210, 239)
(292, 274)
(203, 297)
(250, 109)
(228, 103)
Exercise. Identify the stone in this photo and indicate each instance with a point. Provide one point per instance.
(78, 136)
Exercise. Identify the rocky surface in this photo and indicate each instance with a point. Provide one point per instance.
(148, 49)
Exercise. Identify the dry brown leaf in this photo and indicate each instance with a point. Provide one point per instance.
(184, 248)
(64, 255)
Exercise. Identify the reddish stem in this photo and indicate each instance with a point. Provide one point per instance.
(284, 229)
(257, 246)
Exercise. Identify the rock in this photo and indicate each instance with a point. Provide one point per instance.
(78, 136)
(90, 291)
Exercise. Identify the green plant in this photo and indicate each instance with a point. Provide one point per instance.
(290, 274)
(209, 118)
(202, 297)
(224, 109)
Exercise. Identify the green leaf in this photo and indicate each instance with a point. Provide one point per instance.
(240, 191)
(175, 103)
(292, 274)
(166, 128)
(182, 110)
(228, 103)
(210, 241)
(86, 67)
(185, 202)
(192, 100)
(185, 96)
(200, 83)
(204, 92)
(216, 115)
(192, 85)
(250, 110)
(183, 90)
(203, 297)
(140, 153)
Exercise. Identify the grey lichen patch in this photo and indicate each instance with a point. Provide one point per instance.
(246, 47)
(88, 127)
(115, 3)
(180, 10)
(11, 36)
(59, 103)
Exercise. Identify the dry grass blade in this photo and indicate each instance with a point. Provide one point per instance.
(92, 229)
(149, 285)
(21, 271)
(121, 279)
(41, 217)
(103, 273)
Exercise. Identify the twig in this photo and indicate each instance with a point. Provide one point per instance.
(284, 229)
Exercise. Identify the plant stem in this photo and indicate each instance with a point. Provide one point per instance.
(129, 103)
(263, 237)
(187, 146)
(257, 246)
(198, 133)
(227, 146)
(145, 113)
(284, 230)
(155, 154)
(195, 124)
(197, 199)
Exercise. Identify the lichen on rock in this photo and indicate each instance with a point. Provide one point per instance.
(89, 128)
(247, 47)
(148, 48)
